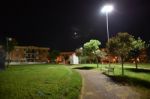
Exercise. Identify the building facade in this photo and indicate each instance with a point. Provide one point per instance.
(29, 54)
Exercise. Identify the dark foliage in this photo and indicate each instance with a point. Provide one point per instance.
(126, 80)
(84, 68)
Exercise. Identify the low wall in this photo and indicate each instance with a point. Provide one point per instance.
(19, 63)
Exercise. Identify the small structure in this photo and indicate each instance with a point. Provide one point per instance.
(74, 59)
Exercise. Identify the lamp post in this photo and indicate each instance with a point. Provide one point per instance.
(107, 9)
(8, 39)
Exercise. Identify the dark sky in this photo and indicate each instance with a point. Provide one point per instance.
(67, 24)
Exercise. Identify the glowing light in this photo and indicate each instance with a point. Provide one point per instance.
(107, 9)
(75, 33)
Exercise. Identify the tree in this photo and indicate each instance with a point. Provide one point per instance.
(66, 57)
(91, 47)
(53, 55)
(137, 46)
(120, 45)
(101, 54)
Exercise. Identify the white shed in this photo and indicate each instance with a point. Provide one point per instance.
(74, 59)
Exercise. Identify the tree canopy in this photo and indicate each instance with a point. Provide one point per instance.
(91, 47)
(121, 45)
(53, 55)
(138, 44)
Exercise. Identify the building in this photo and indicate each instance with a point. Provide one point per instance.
(63, 58)
(29, 54)
(74, 59)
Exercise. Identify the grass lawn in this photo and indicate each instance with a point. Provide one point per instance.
(39, 82)
(139, 79)
(143, 73)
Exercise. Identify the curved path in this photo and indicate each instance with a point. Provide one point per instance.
(98, 86)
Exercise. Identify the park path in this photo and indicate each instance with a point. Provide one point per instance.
(98, 86)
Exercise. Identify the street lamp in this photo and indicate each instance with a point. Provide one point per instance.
(8, 39)
(107, 9)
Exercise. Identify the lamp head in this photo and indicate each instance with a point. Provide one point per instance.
(107, 9)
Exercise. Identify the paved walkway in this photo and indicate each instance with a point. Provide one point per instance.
(98, 86)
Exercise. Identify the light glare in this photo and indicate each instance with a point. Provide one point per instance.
(107, 9)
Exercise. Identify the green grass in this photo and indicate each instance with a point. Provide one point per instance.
(143, 73)
(39, 82)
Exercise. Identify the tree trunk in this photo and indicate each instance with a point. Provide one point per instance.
(97, 62)
(136, 63)
(96, 59)
(109, 60)
(122, 65)
(8, 63)
(79, 60)
(8, 59)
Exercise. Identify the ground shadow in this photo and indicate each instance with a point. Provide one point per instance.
(139, 70)
(126, 80)
(84, 68)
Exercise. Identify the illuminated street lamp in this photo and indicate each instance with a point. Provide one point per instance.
(8, 39)
(107, 9)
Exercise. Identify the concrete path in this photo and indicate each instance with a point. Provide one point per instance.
(98, 86)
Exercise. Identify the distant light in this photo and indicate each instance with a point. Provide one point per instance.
(107, 8)
(81, 48)
(75, 33)
(10, 39)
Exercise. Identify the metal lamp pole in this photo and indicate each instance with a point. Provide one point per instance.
(107, 9)
(7, 48)
(107, 26)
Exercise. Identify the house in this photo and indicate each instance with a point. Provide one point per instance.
(74, 59)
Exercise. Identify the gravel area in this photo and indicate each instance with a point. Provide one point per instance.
(98, 86)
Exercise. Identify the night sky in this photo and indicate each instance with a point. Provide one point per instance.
(67, 24)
